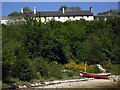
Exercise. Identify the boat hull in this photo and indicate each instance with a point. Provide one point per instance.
(99, 76)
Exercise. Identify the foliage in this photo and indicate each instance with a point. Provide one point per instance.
(14, 14)
(31, 48)
(109, 12)
(55, 70)
(26, 9)
(65, 7)
(73, 8)
(81, 67)
(24, 70)
(41, 67)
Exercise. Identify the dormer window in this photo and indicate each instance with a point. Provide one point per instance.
(73, 16)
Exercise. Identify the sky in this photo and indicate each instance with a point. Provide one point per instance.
(9, 7)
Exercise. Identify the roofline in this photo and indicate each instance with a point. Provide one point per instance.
(64, 15)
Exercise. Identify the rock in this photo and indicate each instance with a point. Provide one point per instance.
(14, 86)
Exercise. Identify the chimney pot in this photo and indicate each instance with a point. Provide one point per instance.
(63, 10)
(90, 8)
(34, 10)
(21, 10)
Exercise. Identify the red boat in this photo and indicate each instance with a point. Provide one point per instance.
(100, 75)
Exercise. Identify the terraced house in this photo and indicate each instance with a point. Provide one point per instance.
(61, 15)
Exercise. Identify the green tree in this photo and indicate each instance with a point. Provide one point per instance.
(14, 14)
(65, 7)
(26, 9)
(111, 12)
(73, 8)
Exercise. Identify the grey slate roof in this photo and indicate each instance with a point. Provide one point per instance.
(52, 14)
(59, 13)
(67, 13)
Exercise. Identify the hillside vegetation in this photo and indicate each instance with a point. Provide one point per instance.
(34, 50)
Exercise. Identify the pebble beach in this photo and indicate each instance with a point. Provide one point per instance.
(113, 82)
(90, 83)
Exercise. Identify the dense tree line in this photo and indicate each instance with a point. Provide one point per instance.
(32, 49)
(111, 12)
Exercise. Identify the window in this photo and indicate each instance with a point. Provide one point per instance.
(73, 16)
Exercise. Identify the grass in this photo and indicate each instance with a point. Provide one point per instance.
(115, 69)
(7, 83)
(5, 86)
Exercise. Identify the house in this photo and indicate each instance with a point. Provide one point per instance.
(104, 17)
(7, 19)
(63, 15)
(113, 13)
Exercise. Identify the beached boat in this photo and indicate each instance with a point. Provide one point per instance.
(93, 75)
(104, 75)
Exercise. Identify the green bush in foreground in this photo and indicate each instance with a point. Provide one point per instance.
(24, 70)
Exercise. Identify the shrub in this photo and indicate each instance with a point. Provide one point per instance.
(41, 66)
(55, 70)
(24, 70)
(81, 67)
(92, 69)
(72, 65)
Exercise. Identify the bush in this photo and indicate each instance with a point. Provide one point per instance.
(81, 67)
(41, 66)
(24, 70)
(72, 65)
(93, 69)
(55, 70)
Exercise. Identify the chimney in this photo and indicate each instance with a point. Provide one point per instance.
(63, 10)
(109, 13)
(34, 10)
(21, 10)
(90, 8)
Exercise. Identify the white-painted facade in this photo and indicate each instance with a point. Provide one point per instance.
(4, 21)
(63, 19)
(8, 20)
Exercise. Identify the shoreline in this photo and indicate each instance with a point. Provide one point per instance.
(113, 82)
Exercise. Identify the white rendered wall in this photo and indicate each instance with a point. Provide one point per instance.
(89, 18)
(63, 19)
(4, 21)
(42, 19)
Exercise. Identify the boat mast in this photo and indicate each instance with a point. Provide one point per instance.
(85, 65)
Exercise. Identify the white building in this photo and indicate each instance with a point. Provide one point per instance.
(7, 19)
(62, 15)
(65, 15)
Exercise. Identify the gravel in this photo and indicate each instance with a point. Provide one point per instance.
(113, 82)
